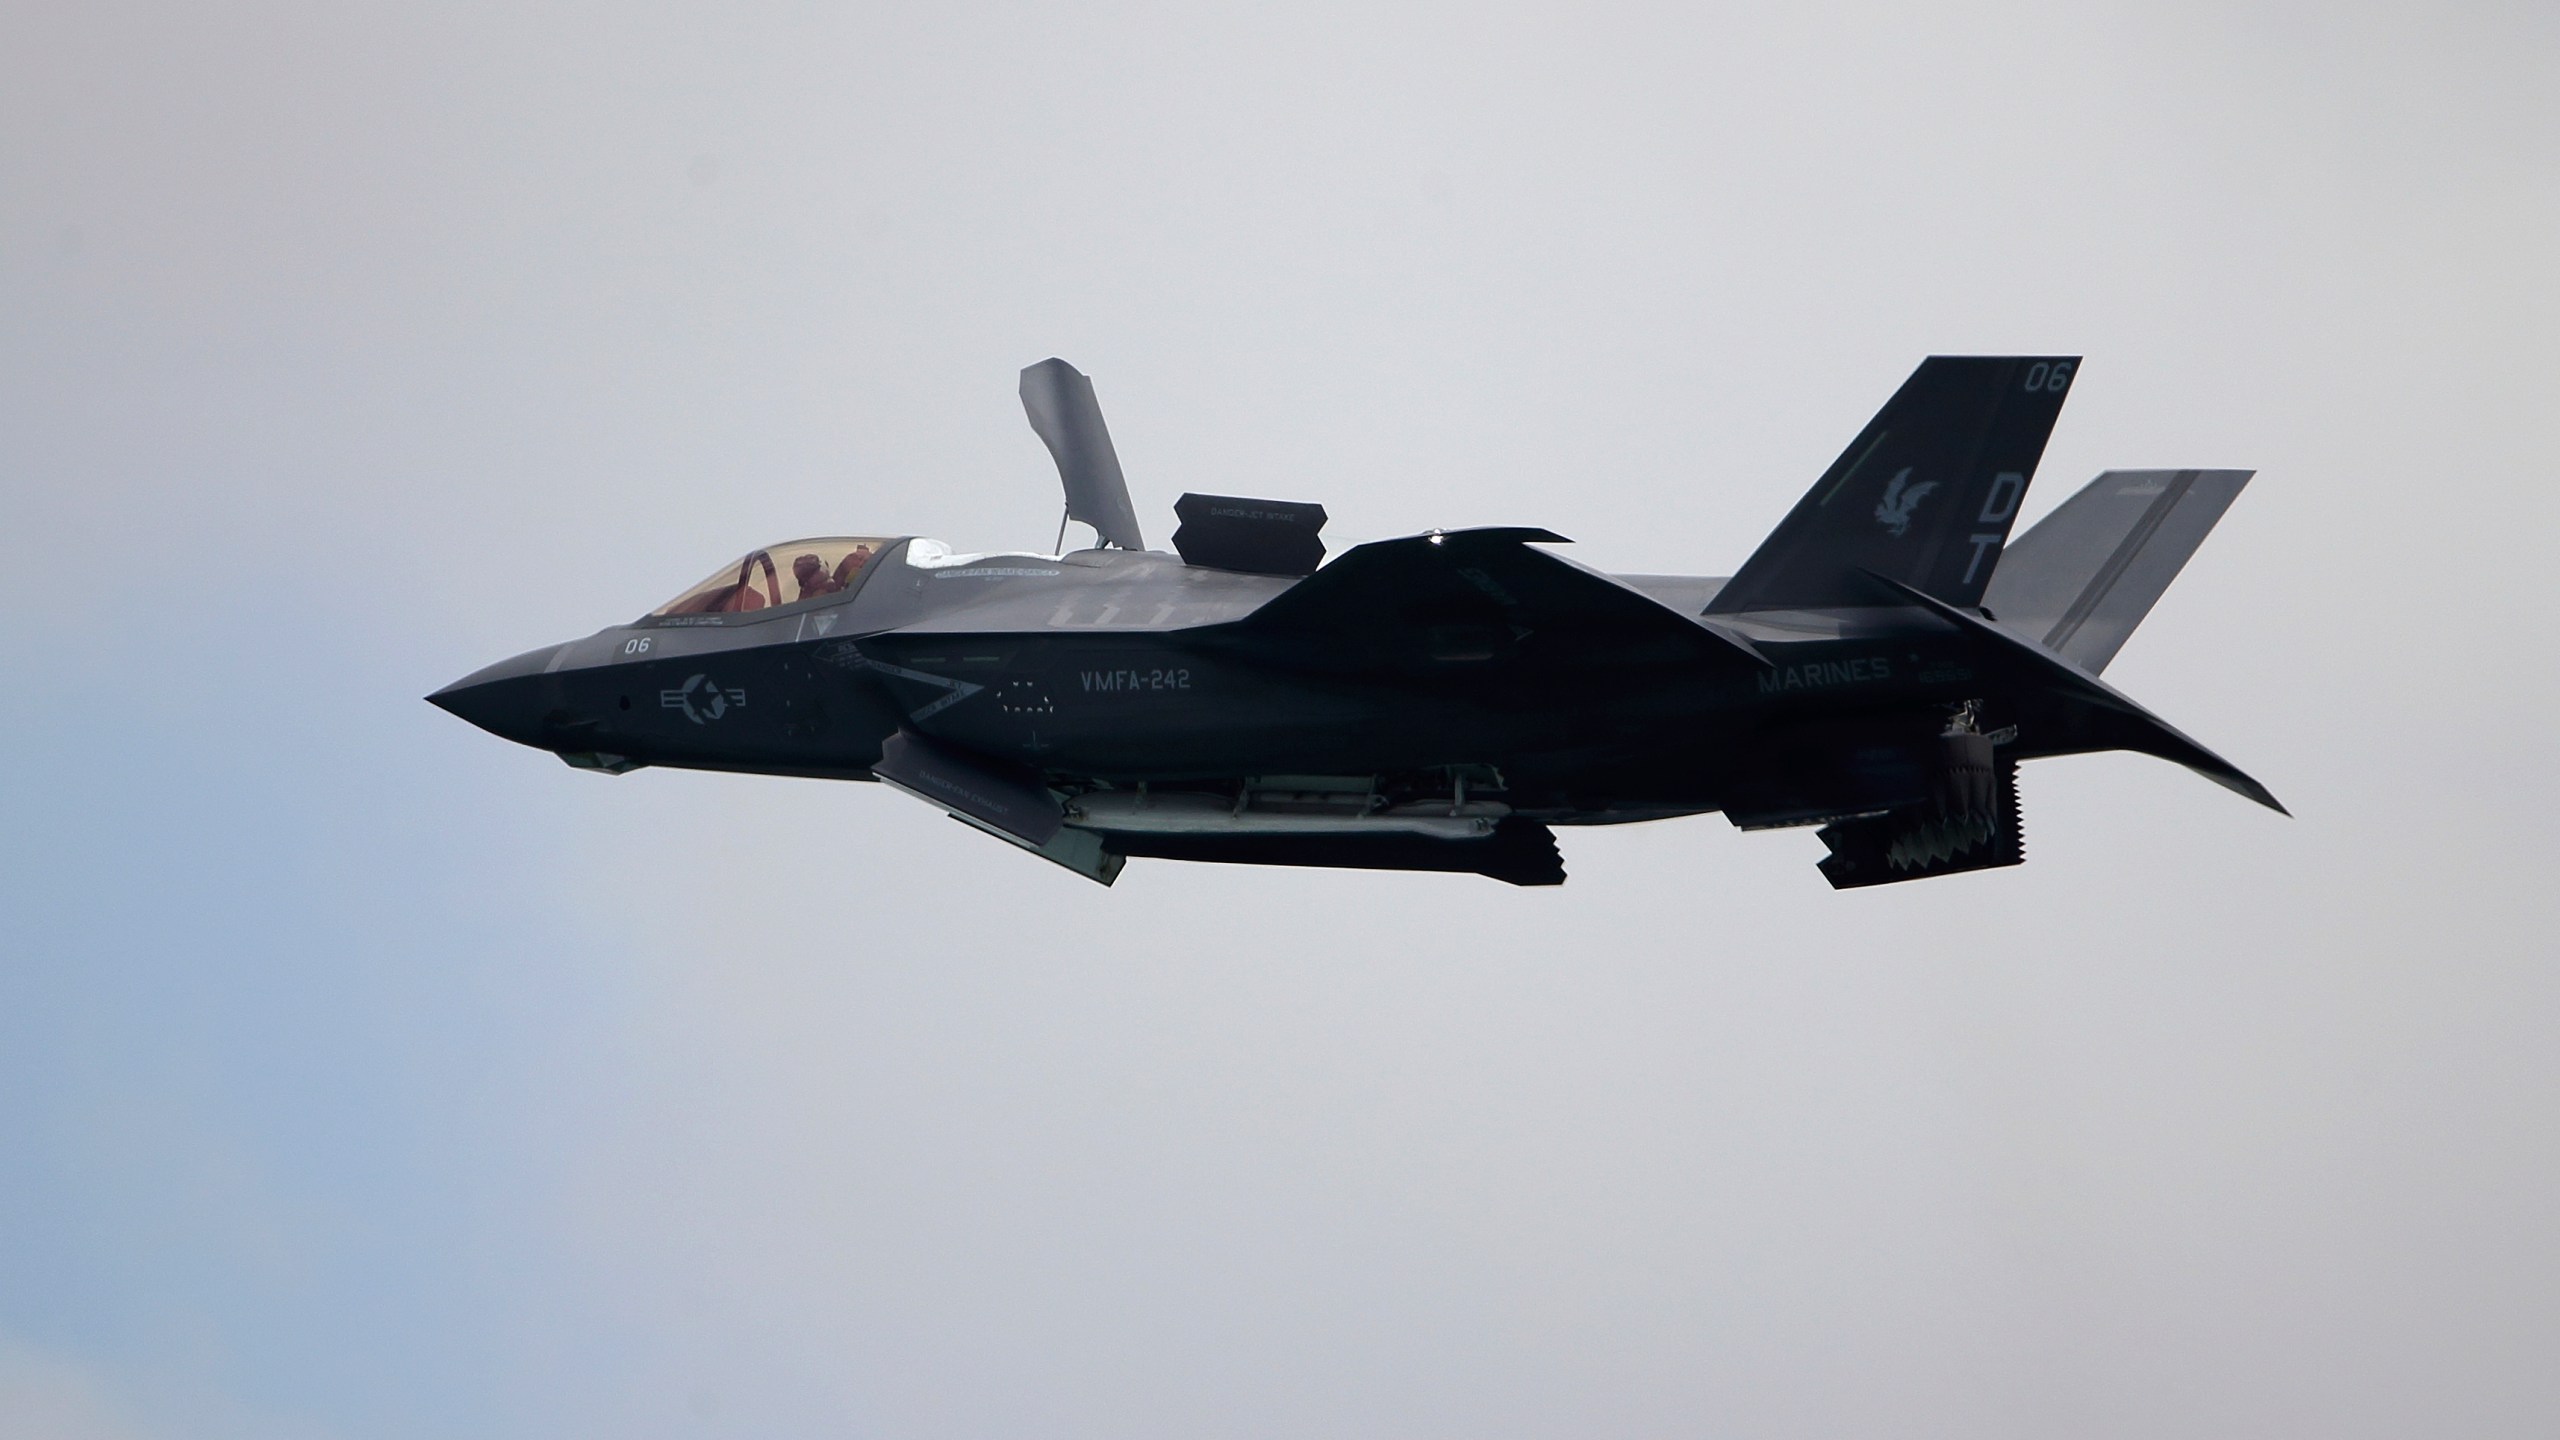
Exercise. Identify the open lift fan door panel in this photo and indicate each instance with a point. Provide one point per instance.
(1257, 537)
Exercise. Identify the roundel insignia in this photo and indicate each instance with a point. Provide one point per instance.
(702, 699)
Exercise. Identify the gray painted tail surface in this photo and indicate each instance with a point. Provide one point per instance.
(1925, 494)
(2082, 578)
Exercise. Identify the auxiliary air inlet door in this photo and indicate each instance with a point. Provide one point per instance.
(1255, 537)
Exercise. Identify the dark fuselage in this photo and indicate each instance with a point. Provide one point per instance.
(1118, 667)
(1438, 701)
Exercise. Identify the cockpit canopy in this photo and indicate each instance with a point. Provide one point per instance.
(783, 574)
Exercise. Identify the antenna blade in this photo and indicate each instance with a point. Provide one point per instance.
(1059, 400)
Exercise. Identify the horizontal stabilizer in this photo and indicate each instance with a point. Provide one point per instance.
(2101, 716)
(1477, 596)
(1925, 495)
(2082, 578)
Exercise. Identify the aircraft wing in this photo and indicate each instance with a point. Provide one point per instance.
(1475, 596)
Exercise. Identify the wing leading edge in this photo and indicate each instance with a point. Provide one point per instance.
(1478, 595)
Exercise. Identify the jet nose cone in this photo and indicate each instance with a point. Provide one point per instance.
(509, 699)
(508, 709)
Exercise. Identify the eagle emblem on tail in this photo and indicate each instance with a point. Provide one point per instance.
(1901, 497)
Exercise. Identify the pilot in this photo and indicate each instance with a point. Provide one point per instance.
(851, 565)
(814, 580)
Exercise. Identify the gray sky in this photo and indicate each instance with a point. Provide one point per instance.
(363, 1076)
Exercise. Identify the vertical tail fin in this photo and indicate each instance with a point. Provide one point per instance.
(2082, 577)
(1925, 494)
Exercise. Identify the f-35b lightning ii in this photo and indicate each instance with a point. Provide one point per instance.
(1877, 668)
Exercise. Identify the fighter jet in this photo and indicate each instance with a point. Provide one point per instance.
(1877, 668)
